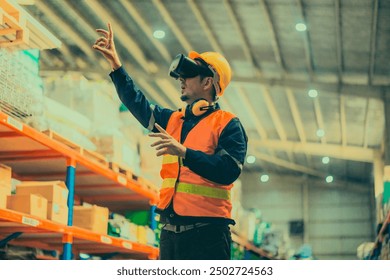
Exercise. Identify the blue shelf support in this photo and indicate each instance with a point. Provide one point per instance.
(70, 183)
(153, 221)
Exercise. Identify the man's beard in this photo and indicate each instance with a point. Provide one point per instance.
(184, 97)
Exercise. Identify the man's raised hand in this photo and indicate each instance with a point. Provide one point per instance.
(106, 46)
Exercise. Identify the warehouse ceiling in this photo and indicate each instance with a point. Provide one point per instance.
(309, 76)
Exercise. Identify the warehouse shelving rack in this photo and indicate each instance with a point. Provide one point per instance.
(249, 246)
(21, 31)
(33, 155)
(379, 239)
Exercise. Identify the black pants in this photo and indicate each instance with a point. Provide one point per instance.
(211, 242)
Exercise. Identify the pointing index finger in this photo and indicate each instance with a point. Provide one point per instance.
(162, 130)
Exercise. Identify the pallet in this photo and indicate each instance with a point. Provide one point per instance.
(122, 170)
(148, 184)
(96, 157)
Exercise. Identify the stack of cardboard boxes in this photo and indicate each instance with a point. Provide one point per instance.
(45, 200)
(55, 194)
(49, 200)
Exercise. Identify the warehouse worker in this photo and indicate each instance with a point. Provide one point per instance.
(203, 151)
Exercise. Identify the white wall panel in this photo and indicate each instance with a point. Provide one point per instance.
(336, 229)
(337, 212)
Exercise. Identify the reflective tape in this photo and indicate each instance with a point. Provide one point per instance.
(168, 183)
(167, 159)
(203, 190)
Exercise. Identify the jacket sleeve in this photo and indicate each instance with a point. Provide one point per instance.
(225, 166)
(133, 98)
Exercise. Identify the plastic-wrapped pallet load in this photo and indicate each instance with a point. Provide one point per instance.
(96, 100)
(101, 106)
(68, 123)
(60, 113)
(125, 229)
(68, 89)
(21, 90)
(118, 149)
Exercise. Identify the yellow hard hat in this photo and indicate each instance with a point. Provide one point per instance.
(219, 65)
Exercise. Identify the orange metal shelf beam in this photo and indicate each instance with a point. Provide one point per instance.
(113, 241)
(75, 232)
(75, 155)
(29, 220)
(28, 154)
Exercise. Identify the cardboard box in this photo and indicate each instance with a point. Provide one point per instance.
(93, 218)
(5, 177)
(53, 191)
(4, 192)
(57, 213)
(32, 204)
(7, 188)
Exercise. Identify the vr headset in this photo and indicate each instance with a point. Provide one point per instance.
(185, 67)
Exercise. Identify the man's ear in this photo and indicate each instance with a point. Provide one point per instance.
(207, 83)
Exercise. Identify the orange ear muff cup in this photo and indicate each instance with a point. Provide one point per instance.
(197, 107)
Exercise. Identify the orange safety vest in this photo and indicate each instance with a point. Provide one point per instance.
(192, 194)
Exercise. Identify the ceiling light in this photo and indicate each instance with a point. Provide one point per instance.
(329, 179)
(325, 160)
(320, 133)
(250, 159)
(158, 34)
(312, 93)
(264, 178)
(300, 27)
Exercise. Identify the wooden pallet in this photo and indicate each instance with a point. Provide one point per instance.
(94, 156)
(122, 170)
(148, 184)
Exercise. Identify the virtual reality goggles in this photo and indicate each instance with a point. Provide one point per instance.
(185, 67)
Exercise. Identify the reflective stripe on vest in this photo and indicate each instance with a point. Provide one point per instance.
(168, 183)
(196, 189)
(167, 159)
(202, 190)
